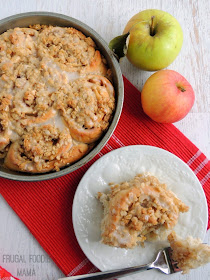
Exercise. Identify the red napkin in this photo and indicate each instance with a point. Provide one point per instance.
(46, 207)
(5, 275)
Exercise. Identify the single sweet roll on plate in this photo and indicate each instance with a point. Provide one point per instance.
(139, 210)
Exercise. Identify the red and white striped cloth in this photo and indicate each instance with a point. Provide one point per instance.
(5, 275)
(46, 207)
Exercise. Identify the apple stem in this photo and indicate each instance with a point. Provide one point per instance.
(152, 33)
(181, 88)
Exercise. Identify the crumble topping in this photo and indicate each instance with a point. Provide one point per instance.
(91, 107)
(46, 142)
(138, 210)
(67, 46)
(52, 80)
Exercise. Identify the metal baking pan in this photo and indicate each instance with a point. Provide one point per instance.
(26, 19)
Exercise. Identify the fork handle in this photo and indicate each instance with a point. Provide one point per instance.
(110, 274)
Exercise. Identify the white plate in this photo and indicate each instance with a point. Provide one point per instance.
(123, 164)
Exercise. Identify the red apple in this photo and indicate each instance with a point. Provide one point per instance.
(167, 96)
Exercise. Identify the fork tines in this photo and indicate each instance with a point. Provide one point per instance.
(172, 264)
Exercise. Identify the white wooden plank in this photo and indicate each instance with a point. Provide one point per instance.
(109, 18)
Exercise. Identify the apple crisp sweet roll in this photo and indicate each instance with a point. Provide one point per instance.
(56, 97)
(138, 210)
(44, 148)
(87, 107)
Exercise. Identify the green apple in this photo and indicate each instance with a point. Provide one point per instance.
(156, 38)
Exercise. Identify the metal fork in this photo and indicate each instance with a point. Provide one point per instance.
(163, 263)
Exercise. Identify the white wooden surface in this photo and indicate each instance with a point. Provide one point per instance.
(108, 18)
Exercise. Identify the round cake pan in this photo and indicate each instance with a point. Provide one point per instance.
(26, 19)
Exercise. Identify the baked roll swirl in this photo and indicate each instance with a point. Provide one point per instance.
(44, 148)
(18, 44)
(5, 102)
(71, 50)
(87, 107)
(138, 210)
(17, 51)
(32, 106)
